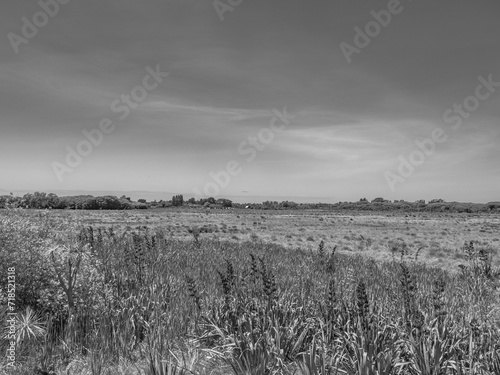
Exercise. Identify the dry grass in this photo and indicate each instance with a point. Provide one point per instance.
(149, 302)
(438, 236)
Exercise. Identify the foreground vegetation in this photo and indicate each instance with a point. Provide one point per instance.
(94, 301)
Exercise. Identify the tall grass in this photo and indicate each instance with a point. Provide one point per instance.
(144, 303)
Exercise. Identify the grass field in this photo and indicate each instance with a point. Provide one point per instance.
(439, 236)
(192, 291)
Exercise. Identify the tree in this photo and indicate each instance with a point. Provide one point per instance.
(177, 200)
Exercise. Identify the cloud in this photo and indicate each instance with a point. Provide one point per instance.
(353, 120)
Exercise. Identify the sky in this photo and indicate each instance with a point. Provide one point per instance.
(339, 92)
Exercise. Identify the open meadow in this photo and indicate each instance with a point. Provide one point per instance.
(437, 237)
(241, 291)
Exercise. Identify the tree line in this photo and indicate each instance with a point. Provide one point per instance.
(40, 200)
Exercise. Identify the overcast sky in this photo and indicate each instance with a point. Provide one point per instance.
(353, 121)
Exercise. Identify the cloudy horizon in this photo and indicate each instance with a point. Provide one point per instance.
(263, 99)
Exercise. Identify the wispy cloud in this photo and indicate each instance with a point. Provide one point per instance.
(352, 120)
